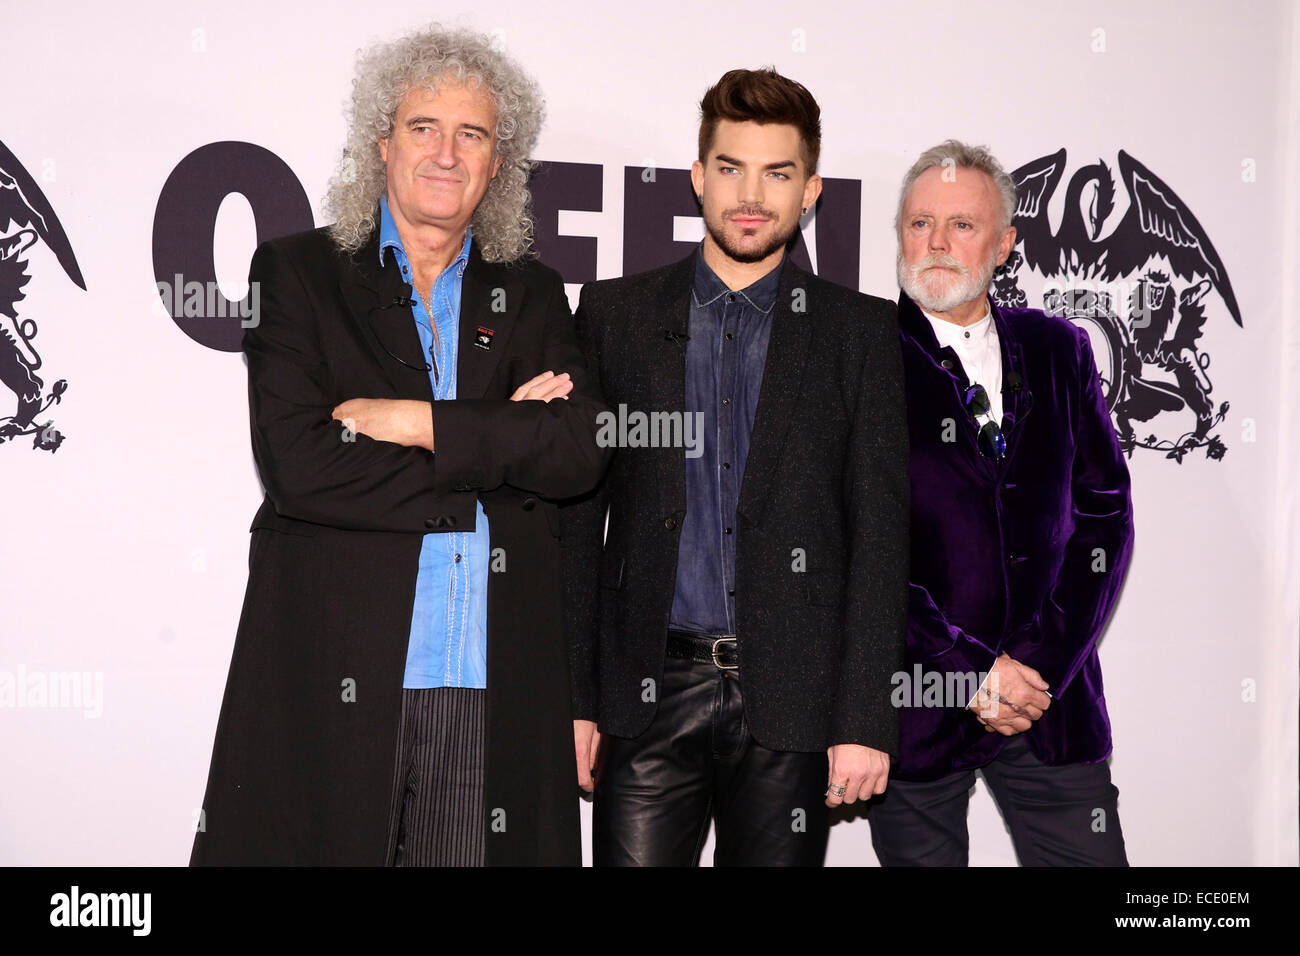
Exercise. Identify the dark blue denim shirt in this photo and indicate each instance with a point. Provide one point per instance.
(725, 356)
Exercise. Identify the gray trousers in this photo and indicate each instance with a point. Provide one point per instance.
(437, 817)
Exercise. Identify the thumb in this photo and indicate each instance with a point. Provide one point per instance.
(1033, 677)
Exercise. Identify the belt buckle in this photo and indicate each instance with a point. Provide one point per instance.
(718, 664)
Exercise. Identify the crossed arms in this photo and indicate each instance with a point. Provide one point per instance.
(383, 474)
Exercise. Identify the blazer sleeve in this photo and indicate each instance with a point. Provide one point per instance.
(582, 535)
(1098, 551)
(878, 496)
(939, 640)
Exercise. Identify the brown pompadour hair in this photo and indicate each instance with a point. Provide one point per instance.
(762, 96)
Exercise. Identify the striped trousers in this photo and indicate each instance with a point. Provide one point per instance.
(437, 814)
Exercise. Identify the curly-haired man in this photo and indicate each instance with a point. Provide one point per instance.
(399, 687)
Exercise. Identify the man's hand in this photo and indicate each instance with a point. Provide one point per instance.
(586, 744)
(544, 387)
(396, 420)
(860, 772)
(1013, 697)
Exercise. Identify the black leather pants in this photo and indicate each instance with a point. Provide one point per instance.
(655, 794)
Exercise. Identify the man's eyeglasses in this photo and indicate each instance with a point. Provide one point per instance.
(992, 443)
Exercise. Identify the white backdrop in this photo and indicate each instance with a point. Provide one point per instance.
(125, 551)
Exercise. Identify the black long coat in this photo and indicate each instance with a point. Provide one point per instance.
(303, 762)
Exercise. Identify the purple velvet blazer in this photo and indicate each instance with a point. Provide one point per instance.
(1025, 556)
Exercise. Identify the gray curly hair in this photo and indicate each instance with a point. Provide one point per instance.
(386, 72)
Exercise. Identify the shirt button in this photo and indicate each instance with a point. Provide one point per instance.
(726, 464)
(731, 593)
(946, 363)
(731, 297)
(458, 559)
(726, 401)
(726, 531)
(670, 522)
(729, 336)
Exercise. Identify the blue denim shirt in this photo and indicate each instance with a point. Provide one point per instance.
(725, 356)
(448, 643)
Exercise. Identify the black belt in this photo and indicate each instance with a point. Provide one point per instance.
(716, 649)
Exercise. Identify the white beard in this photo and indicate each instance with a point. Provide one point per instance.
(943, 289)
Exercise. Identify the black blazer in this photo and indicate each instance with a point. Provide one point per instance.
(302, 767)
(826, 479)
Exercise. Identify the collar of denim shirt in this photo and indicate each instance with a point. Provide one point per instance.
(760, 294)
(390, 238)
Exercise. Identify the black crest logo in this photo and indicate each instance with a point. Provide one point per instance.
(26, 218)
(1140, 282)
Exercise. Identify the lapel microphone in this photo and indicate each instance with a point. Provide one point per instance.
(678, 337)
(398, 301)
(1015, 384)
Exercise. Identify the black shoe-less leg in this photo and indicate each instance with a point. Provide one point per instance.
(770, 805)
(1063, 815)
(653, 792)
(922, 823)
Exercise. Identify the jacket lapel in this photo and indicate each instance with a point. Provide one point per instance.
(490, 299)
(914, 324)
(1017, 399)
(779, 394)
(373, 297)
(666, 374)
(1016, 402)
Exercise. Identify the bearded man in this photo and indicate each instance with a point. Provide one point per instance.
(1022, 529)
